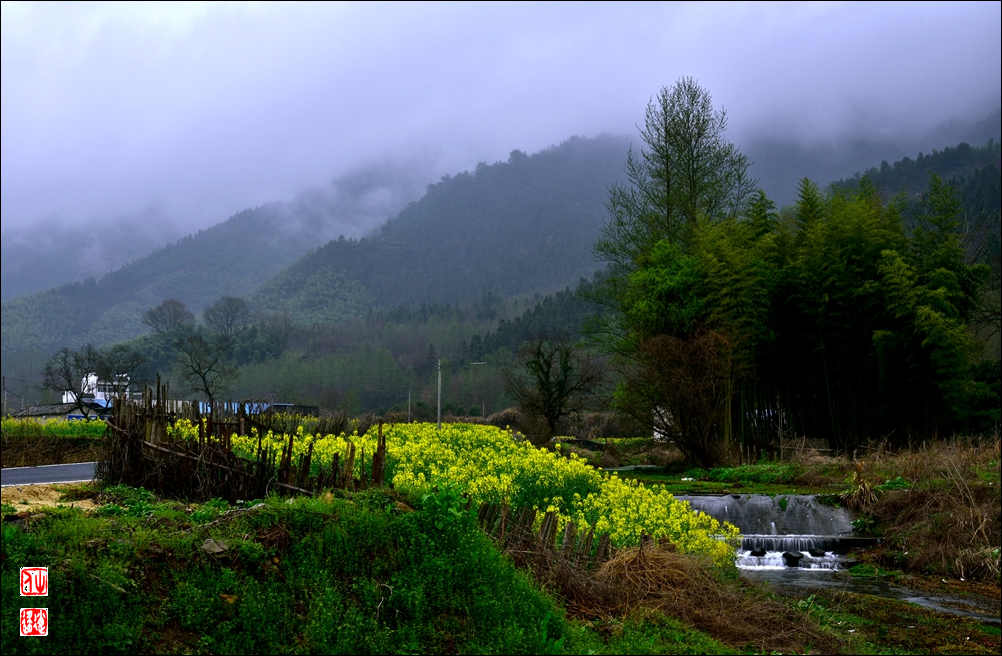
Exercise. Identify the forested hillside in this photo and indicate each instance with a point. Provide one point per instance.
(515, 227)
(231, 258)
(522, 226)
(976, 167)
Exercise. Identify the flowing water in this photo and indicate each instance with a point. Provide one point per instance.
(783, 532)
(796, 541)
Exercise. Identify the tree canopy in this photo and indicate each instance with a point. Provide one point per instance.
(846, 316)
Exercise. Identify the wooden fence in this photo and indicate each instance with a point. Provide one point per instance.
(513, 531)
(140, 452)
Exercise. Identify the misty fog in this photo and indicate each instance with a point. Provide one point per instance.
(126, 127)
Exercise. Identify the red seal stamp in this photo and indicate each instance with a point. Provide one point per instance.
(34, 622)
(34, 581)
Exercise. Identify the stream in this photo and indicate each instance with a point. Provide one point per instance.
(796, 541)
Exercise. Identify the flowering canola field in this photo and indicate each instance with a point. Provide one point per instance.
(492, 467)
(16, 427)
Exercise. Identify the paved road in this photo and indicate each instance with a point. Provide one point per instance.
(80, 471)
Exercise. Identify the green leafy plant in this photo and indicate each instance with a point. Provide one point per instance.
(864, 524)
(209, 511)
(447, 504)
(896, 483)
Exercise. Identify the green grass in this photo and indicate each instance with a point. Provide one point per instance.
(874, 625)
(763, 478)
(14, 428)
(358, 573)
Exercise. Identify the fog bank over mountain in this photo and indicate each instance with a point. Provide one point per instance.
(196, 111)
(780, 163)
(53, 252)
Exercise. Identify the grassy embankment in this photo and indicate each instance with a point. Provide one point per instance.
(347, 573)
(375, 572)
(29, 442)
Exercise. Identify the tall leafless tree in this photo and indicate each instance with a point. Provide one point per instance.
(226, 317)
(168, 316)
(68, 373)
(680, 384)
(203, 365)
(551, 379)
(119, 367)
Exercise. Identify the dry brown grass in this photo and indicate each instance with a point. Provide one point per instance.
(656, 579)
(28, 498)
(685, 587)
(949, 522)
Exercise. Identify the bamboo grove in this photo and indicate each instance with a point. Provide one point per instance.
(847, 316)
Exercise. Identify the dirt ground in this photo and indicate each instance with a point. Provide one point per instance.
(26, 498)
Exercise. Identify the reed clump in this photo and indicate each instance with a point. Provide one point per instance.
(947, 520)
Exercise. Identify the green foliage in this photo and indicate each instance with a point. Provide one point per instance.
(896, 483)
(761, 473)
(447, 505)
(864, 524)
(642, 633)
(844, 301)
(210, 510)
(509, 228)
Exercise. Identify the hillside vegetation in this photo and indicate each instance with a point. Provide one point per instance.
(523, 226)
(230, 258)
(515, 227)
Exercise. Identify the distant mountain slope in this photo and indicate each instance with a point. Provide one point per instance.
(781, 162)
(229, 258)
(522, 226)
(525, 225)
(911, 176)
(51, 253)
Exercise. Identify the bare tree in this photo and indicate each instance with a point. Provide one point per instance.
(681, 385)
(203, 365)
(69, 373)
(168, 316)
(551, 379)
(226, 316)
(119, 367)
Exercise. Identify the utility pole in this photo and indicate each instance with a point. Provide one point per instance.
(408, 406)
(440, 394)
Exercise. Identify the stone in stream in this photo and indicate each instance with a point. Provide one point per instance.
(792, 558)
(816, 553)
(758, 553)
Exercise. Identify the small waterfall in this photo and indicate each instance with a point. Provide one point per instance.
(779, 533)
(790, 543)
(760, 514)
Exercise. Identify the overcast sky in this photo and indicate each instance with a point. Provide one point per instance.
(191, 112)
